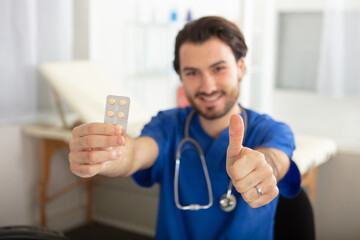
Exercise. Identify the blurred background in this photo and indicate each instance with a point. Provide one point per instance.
(302, 68)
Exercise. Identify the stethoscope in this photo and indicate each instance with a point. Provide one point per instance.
(227, 201)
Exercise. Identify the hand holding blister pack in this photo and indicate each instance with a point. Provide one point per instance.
(117, 111)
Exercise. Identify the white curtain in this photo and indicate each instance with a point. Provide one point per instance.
(31, 31)
(339, 67)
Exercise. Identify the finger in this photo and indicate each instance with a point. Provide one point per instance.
(265, 198)
(236, 135)
(96, 141)
(248, 162)
(253, 178)
(87, 170)
(93, 157)
(96, 129)
(266, 186)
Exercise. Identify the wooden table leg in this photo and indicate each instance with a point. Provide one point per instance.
(88, 188)
(309, 181)
(47, 149)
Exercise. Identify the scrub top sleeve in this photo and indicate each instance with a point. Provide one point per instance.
(290, 185)
(157, 130)
(280, 137)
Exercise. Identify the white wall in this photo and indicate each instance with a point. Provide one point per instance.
(337, 211)
(18, 177)
(321, 115)
(19, 183)
(134, 41)
(121, 203)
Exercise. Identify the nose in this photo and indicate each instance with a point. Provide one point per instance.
(208, 83)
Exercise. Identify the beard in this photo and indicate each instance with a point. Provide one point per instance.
(210, 112)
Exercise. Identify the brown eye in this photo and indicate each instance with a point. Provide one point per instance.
(191, 73)
(218, 69)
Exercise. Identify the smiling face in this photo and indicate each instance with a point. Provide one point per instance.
(211, 77)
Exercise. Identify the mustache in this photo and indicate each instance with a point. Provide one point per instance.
(203, 94)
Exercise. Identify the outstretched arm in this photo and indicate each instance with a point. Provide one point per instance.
(101, 148)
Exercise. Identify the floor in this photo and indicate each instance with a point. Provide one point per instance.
(100, 231)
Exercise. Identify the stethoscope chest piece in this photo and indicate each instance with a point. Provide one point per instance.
(227, 204)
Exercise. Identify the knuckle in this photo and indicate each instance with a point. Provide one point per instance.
(259, 155)
(232, 172)
(246, 196)
(273, 180)
(91, 157)
(74, 169)
(71, 144)
(269, 170)
(92, 171)
(239, 187)
(254, 205)
(91, 128)
(89, 171)
(70, 157)
(75, 131)
(88, 141)
(275, 192)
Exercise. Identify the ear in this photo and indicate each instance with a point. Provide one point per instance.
(241, 68)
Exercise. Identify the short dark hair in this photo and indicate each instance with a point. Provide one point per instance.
(202, 29)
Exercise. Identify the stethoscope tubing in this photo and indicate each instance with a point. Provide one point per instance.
(206, 173)
(228, 201)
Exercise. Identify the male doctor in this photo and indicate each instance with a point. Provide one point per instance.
(209, 59)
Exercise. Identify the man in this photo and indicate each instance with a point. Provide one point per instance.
(209, 58)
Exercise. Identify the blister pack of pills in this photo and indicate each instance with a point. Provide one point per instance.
(117, 111)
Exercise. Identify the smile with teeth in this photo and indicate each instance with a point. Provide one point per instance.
(210, 98)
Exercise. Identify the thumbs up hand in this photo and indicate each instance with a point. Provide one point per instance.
(250, 173)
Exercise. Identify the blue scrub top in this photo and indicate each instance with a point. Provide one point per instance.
(167, 128)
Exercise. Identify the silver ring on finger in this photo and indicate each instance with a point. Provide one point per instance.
(259, 191)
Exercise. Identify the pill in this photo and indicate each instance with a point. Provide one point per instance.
(120, 114)
(111, 101)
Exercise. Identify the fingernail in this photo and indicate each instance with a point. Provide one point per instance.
(123, 132)
(106, 163)
(120, 140)
(117, 131)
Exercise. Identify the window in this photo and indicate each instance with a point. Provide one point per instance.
(299, 37)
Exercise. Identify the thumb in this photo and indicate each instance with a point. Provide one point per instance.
(236, 135)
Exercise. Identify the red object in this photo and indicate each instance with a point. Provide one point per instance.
(181, 99)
